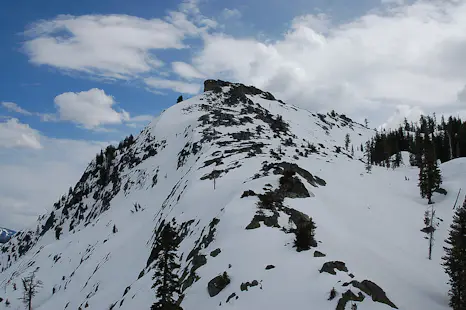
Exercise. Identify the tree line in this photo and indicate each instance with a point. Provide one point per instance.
(445, 139)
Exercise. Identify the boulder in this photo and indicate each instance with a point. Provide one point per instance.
(319, 254)
(217, 284)
(330, 267)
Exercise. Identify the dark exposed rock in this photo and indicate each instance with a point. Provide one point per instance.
(198, 261)
(292, 187)
(280, 168)
(242, 135)
(296, 216)
(233, 295)
(268, 220)
(330, 267)
(245, 286)
(319, 254)
(248, 193)
(348, 296)
(189, 275)
(268, 267)
(373, 290)
(127, 290)
(253, 225)
(239, 89)
(217, 161)
(215, 252)
(255, 147)
(217, 284)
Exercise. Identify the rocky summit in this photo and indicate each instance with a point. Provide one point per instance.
(274, 211)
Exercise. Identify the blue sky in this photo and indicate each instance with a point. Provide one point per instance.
(78, 75)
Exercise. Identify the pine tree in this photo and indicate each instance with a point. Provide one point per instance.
(454, 260)
(397, 161)
(412, 160)
(305, 235)
(165, 276)
(347, 141)
(368, 157)
(429, 173)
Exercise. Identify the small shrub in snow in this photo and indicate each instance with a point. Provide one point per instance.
(332, 294)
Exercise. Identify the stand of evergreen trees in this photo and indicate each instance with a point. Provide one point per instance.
(446, 139)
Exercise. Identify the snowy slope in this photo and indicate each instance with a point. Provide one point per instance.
(231, 134)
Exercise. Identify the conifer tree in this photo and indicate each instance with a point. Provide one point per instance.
(429, 173)
(397, 161)
(165, 276)
(305, 235)
(368, 157)
(454, 260)
(347, 141)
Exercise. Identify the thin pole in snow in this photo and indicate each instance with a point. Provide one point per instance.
(454, 206)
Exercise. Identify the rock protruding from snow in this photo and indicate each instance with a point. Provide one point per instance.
(238, 89)
(217, 284)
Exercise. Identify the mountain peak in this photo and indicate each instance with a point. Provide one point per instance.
(237, 88)
(239, 172)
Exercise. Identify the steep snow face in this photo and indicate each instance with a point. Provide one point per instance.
(207, 162)
(5, 234)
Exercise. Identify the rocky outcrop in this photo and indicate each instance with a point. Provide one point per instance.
(329, 267)
(375, 291)
(239, 89)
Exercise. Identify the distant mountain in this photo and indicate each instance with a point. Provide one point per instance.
(6, 234)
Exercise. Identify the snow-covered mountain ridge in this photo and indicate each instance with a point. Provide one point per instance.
(208, 162)
(6, 234)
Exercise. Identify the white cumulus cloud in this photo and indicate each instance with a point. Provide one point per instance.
(14, 134)
(90, 109)
(114, 46)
